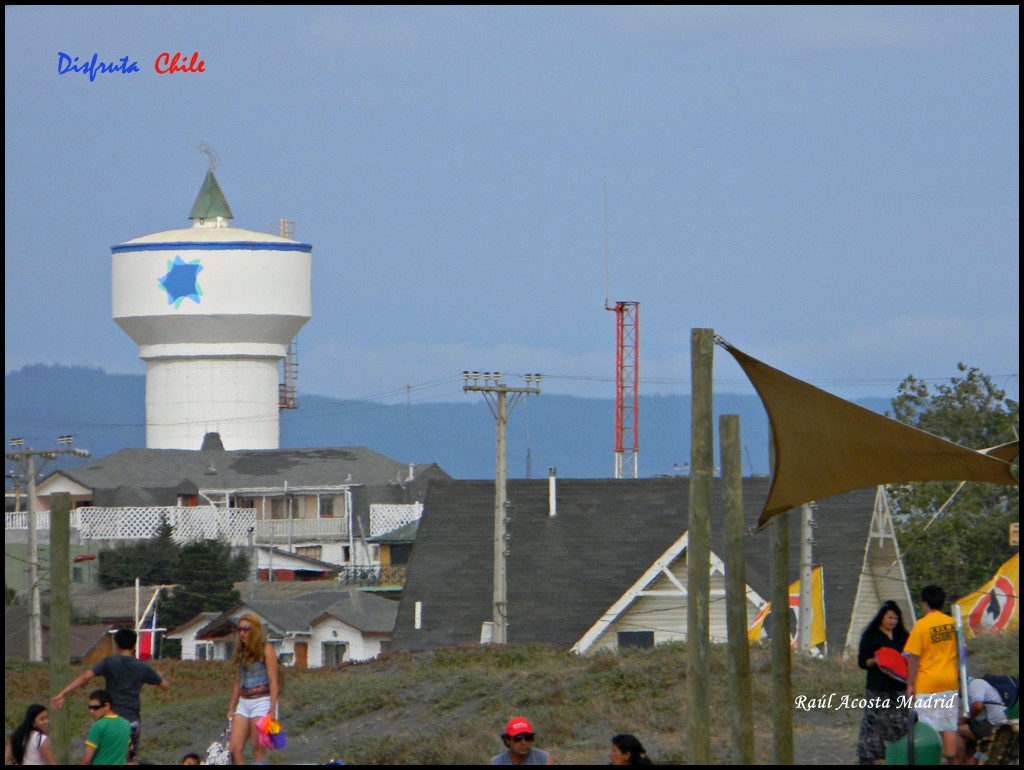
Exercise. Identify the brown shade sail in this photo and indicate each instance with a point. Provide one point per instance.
(826, 446)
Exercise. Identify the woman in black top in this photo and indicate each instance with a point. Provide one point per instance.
(884, 718)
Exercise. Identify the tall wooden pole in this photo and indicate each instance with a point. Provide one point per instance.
(35, 626)
(496, 393)
(806, 571)
(500, 592)
(740, 688)
(698, 557)
(782, 688)
(60, 621)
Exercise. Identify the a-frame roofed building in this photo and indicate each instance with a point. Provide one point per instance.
(568, 571)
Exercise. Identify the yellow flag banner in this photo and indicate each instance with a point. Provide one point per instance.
(994, 606)
(759, 629)
(826, 446)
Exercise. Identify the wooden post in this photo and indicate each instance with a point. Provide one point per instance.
(698, 557)
(806, 573)
(782, 687)
(60, 621)
(741, 709)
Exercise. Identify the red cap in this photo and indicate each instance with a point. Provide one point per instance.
(517, 726)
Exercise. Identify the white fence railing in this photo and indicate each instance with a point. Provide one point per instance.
(280, 530)
(190, 523)
(20, 520)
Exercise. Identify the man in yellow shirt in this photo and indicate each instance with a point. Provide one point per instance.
(932, 670)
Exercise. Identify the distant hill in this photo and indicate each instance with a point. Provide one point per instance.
(106, 412)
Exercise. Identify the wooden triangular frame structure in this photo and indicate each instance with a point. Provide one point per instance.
(882, 576)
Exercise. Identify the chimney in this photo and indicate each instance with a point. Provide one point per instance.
(552, 497)
(212, 443)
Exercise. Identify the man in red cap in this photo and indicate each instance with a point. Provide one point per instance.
(518, 738)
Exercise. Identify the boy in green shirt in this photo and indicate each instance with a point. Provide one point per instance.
(107, 742)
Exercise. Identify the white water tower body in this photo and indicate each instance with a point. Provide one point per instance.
(212, 309)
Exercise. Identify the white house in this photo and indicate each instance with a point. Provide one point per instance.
(322, 628)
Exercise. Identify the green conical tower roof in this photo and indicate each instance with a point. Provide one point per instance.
(210, 203)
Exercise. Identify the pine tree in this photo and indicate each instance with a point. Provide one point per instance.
(204, 576)
(149, 560)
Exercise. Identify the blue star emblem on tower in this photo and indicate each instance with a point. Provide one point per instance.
(180, 281)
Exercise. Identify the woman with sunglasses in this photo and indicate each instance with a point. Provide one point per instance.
(255, 691)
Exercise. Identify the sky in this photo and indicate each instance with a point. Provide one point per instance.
(834, 190)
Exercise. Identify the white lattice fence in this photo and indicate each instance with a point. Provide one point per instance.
(384, 518)
(196, 523)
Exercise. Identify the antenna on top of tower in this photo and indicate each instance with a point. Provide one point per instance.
(627, 373)
(211, 156)
(606, 305)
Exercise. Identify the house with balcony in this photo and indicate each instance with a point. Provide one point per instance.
(323, 504)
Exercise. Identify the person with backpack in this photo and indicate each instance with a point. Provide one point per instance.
(29, 744)
(987, 712)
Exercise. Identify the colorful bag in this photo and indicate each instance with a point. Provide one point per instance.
(269, 733)
(219, 752)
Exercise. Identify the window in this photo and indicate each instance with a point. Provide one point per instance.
(334, 653)
(204, 651)
(644, 639)
(400, 553)
(310, 551)
(279, 507)
(327, 506)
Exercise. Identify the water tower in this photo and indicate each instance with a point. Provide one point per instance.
(212, 309)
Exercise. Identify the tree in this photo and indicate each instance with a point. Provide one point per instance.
(148, 560)
(204, 575)
(968, 542)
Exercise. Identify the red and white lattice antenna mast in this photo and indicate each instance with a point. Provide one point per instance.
(627, 394)
(627, 374)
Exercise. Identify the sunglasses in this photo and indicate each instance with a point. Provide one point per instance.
(95, 708)
(243, 629)
(522, 737)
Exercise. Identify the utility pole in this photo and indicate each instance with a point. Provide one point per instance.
(25, 459)
(496, 393)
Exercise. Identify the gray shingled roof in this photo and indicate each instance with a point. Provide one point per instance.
(114, 605)
(403, 534)
(81, 639)
(565, 572)
(154, 476)
(366, 612)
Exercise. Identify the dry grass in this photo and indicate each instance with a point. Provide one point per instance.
(448, 707)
